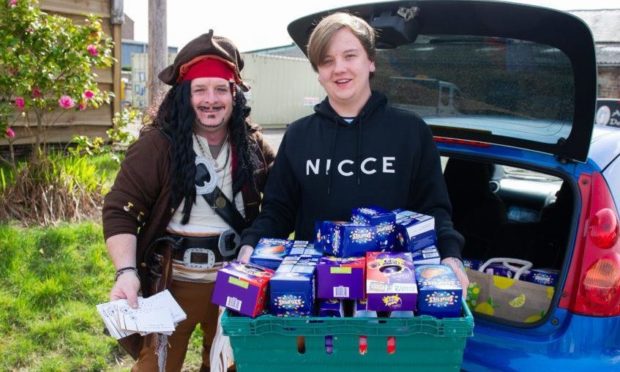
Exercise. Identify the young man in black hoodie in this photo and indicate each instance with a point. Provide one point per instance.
(355, 150)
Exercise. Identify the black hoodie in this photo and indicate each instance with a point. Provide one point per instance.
(325, 167)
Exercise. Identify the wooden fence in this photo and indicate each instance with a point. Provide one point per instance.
(89, 122)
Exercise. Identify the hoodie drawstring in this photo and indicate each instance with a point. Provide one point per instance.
(331, 156)
(357, 149)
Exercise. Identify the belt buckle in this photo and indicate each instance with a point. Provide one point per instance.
(227, 237)
(187, 258)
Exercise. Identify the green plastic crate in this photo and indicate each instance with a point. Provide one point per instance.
(269, 343)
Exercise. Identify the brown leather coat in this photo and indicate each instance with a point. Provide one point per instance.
(139, 202)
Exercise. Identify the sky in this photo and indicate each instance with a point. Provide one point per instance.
(258, 24)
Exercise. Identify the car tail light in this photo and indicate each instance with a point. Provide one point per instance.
(604, 228)
(593, 282)
(602, 281)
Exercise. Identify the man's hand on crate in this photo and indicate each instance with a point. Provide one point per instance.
(459, 271)
(244, 253)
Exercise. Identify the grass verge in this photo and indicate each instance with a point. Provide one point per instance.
(50, 281)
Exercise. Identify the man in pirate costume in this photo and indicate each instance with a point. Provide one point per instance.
(186, 187)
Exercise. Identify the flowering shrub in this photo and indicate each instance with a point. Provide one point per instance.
(66, 102)
(120, 136)
(47, 67)
(9, 133)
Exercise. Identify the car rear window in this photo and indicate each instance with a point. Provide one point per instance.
(506, 86)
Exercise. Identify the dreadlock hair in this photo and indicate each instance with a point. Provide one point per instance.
(176, 118)
(240, 137)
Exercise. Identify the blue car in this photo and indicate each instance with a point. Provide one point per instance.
(509, 92)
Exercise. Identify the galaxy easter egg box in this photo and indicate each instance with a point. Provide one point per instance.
(390, 281)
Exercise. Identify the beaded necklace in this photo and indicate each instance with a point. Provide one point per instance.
(203, 153)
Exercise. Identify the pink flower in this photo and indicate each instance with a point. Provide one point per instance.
(10, 132)
(20, 103)
(12, 3)
(88, 94)
(92, 49)
(66, 102)
(81, 106)
(36, 92)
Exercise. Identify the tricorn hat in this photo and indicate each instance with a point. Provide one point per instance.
(205, 45)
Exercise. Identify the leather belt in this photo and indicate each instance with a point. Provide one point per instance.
(196, 252)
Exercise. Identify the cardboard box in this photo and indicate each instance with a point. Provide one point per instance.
(415, 232)
(347, 239)
(426, 256)
(439, 291)
(308, 249)
(471, 263)
(547, 277)
(270, 252)
(360, 309)
(339, 277)
(390, 281)
(402, 214)
(382, 220)
(291, 289)
(242, 288)
(331, 308)
(324, 234)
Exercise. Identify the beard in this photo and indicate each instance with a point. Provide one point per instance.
(210, 127)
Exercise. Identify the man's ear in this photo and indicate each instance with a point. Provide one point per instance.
(233, 91)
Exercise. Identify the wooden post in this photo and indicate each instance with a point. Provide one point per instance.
(117, 18)
(158, 49)
(116, 69)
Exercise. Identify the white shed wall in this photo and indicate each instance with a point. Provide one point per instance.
(283, 89)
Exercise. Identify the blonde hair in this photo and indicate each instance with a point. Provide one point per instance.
(328, 26)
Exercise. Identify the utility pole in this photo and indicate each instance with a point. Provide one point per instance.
(117, 18)
(158, 49)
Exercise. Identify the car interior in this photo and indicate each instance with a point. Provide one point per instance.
(478, 213)
(509, 212)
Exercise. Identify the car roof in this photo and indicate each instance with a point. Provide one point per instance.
(605, 145)
(547, 105)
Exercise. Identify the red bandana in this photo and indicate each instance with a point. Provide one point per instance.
(207, 67)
